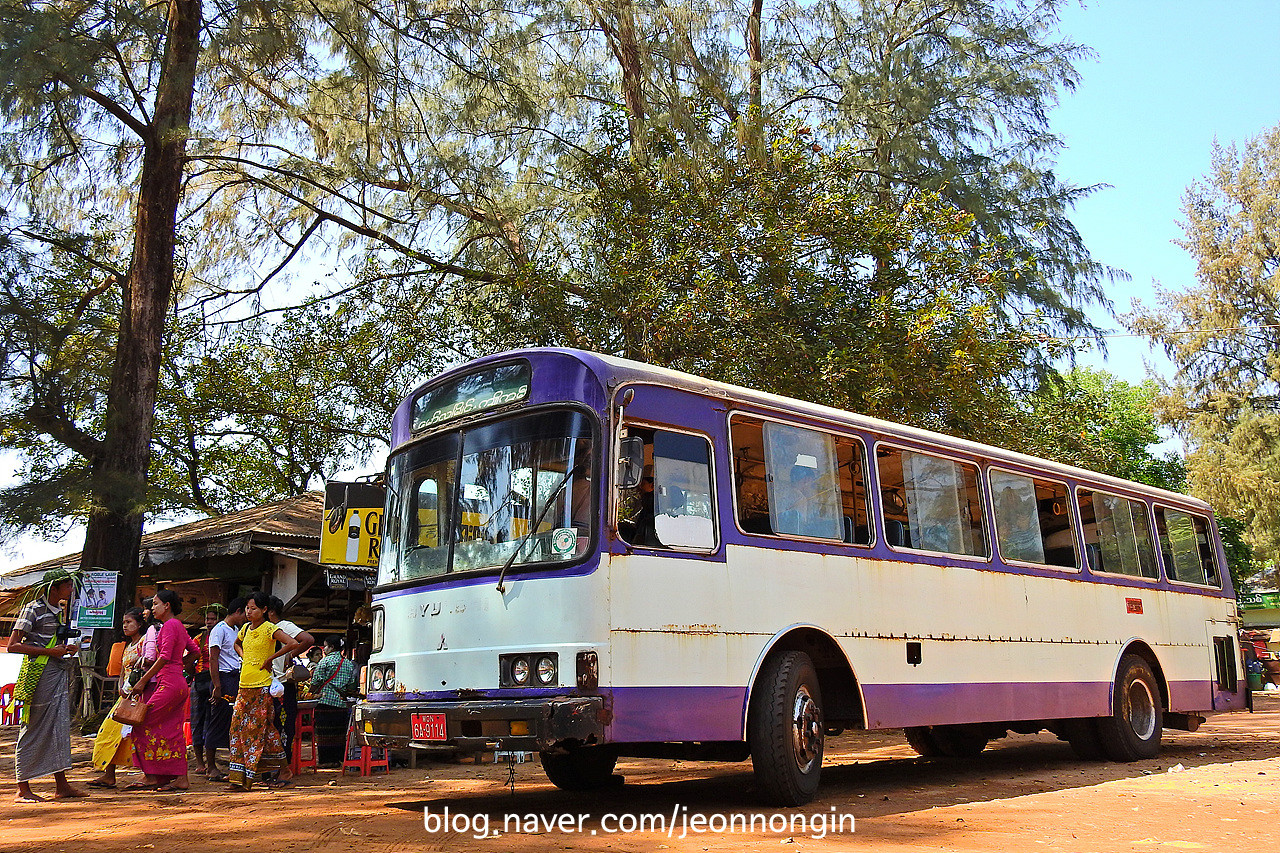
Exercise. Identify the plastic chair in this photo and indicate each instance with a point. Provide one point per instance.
(305, 726)
(362, 761)
(7, 718)
(366, 764)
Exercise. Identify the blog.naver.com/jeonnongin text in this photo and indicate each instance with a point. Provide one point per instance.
(680, 822)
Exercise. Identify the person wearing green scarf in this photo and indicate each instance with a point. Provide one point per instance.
(44, 738)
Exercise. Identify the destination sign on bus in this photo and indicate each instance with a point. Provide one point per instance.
(476, 392)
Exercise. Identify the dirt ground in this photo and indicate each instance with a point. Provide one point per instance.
(1215, 790)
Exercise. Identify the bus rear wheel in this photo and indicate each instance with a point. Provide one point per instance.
(586, 769)
(785, 729)
(1133, 730)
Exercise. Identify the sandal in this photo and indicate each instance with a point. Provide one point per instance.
(141, 786)
(170, 789)
(220, 777)
(98, 783)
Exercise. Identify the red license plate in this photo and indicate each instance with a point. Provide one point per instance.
(428, 727)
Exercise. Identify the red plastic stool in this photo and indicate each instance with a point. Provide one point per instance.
(363, 760)
(366, 763)
(305, 726)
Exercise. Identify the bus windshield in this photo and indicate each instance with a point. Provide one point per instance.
(464, 501)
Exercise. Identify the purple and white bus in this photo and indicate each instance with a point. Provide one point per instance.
(592, 558)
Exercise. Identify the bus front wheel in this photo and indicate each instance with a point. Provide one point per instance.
(785, 729)
(586, 769)
(1132, 732)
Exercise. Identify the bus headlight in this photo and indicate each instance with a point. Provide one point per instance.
(530, 669)
(546, 670)
(375, 678)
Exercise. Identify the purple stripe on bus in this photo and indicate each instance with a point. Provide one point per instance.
(655, 714)
(893, 706)
(665, 714)
(1204, 696)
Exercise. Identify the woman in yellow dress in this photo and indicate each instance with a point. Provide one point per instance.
(112, 747)
(256, 746)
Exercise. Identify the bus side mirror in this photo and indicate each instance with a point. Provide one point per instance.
(631, 462)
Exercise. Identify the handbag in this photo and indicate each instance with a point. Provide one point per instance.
(130, 711)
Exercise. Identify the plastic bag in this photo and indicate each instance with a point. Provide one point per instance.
(277, 687)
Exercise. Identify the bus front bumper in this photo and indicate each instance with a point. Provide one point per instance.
(526, 725)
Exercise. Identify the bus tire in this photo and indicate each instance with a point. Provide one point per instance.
(920, 738)
(785, 729)
(1132, 732)
(586, 769)
(1082, 734)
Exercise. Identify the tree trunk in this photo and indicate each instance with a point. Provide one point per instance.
(120, 469)
(755, 107)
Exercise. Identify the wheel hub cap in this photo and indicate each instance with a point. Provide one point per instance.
(1142, 710)
(806, 730)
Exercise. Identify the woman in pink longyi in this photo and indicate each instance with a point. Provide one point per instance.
(159, 744)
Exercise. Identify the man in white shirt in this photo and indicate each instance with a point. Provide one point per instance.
(224, 670)
(287, 705)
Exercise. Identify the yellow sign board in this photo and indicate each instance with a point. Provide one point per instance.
(351, 533)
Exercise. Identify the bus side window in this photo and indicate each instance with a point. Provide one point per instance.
(852, 460)
(673, 506)
(750, 478)
(1117, 535)
(931, 503)
(1033, 520)
(792, 481)
(1187, 547)
(804, 486)
(684, 511)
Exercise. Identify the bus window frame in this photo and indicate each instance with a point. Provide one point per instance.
(988, 523)
(543, 567)
(1072, 511)
(615, 497)
(1151, 527)
(1213, 547)
(872, 514)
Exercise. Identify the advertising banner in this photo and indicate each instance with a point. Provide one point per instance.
(96, 606)
(351, 533)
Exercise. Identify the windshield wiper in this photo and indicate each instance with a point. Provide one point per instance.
(546, 506)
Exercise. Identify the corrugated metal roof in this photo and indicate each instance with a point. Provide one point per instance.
(288, 526)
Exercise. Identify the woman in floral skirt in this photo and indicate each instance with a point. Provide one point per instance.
(256, 745)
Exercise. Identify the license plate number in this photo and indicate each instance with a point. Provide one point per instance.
(428, 727)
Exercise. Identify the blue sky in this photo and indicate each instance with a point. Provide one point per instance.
(1170, 76)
